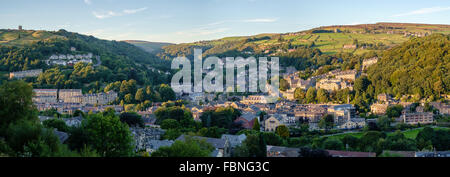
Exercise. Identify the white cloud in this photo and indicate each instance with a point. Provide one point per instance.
(132, 11)
(107, 14)
(88, 1)
(103, 15)
(261, 20)
(423, 11)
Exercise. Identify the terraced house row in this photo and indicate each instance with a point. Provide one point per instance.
(73, 96)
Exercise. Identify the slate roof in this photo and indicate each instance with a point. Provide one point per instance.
(351, 154)
(61, 135)
(156, 144)
(248, 116)
(279, 151)
(234, 140)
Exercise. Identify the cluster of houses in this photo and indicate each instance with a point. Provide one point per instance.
(291, 114)
(418, 116)
(287, 112)
(331, 81)
(69, 59)
(70, 100)
(25, 74)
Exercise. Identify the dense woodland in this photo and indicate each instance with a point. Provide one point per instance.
(418, 67)
(136, 75)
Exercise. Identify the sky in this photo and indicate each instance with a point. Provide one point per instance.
(181, 21)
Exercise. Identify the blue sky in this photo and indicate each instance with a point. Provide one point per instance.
(181, 21)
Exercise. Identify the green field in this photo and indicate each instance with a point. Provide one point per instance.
(408, 133)
(20, 38)
(330, 39)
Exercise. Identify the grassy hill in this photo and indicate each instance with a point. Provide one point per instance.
(151, 47)
(24, 37)
(329, 39)
(28, 49)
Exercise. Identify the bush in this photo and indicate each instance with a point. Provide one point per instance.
(333, 144)
(60, 125)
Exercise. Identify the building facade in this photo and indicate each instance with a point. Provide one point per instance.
(24, 74)
(417, 117)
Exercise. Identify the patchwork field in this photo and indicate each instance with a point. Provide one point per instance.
(330, 39)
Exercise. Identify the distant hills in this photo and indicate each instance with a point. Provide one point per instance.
(151, 47)
(28, 49)
(356, 39)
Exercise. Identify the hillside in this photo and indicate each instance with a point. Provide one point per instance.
(28, 49)
(418, 67)
(151, 47)
(24, 37)
(356, 39)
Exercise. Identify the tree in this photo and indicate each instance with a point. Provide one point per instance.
(182, 115)
(371, 126)
(421, 66)
(16, 103)
(108, 135)
(441, 139)
(322, 96)
(284, 85)
(172, 134)
(212, 132)
(240, 151)
(221, 117)
(256, 125)
(384, 123)
(394, 111)
(60, 125)
(30, 139)
(166, 92)
(21, 134)
(361, 84)
(261, 115)
(424, 138)
(132, 119)
(333, 144)
(140, 95)
(397, 142)
(308, 152)
(170, 124)
(299, 95)
(282, 131)
(350, 141)
(271, 138)
(327, 122)
(438, 87)
(256, 146)
(128, 98)
(190, 147)
(311, 95)
(368, 141)
(78, 113)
